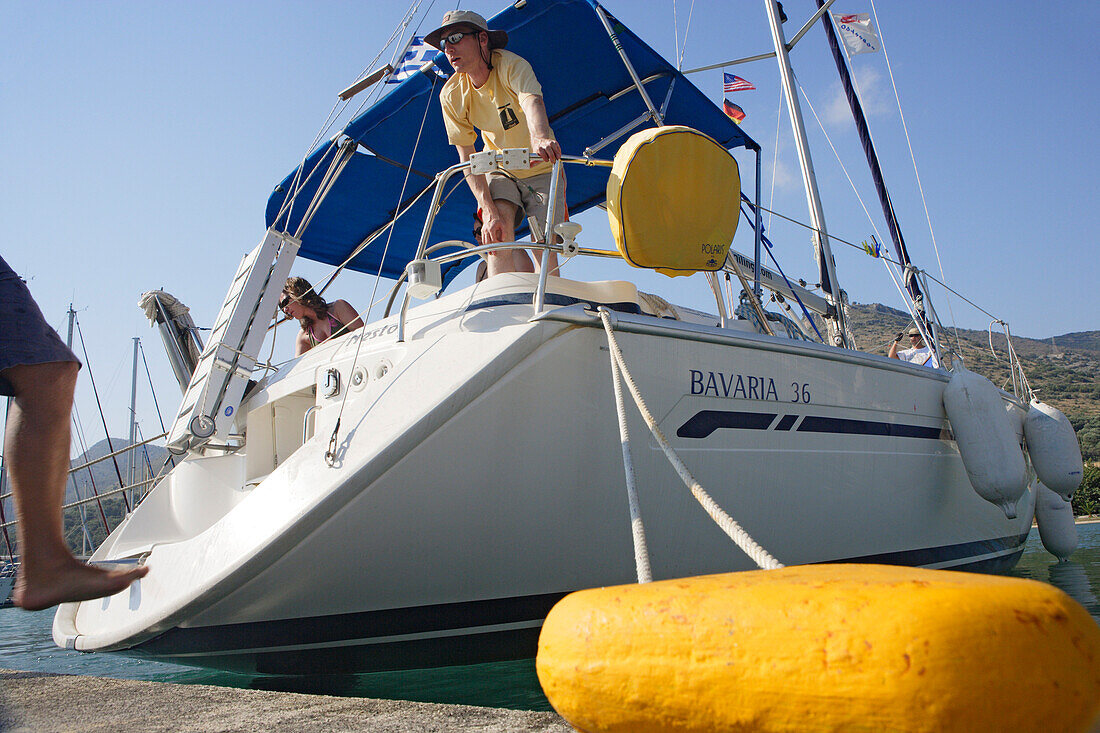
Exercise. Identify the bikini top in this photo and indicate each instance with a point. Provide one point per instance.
(334, 324)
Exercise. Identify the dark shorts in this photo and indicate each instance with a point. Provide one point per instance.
(25, 337)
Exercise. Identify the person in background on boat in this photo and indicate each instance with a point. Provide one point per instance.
(495, 91)
(320, 320)
(918, 354)
(39, 371)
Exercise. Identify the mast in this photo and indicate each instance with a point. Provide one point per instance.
(72, 477)
(3, 474)
(838, 331)
(864, 131)
(131, 464)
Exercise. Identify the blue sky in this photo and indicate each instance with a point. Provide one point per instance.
(141, 141)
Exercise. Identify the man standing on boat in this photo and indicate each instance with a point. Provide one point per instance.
(918, 354)
(495, 91)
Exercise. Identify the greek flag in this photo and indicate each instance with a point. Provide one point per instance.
(417, 53)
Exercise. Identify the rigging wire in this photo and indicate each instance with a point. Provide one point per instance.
(768, 248)
(885, 257)
(83, 442)
(837, 156)
(148, 464)
(369, 240)
(78, 430)
(687, 29)
(7, 540)
(775, 154)
(401, 196)
(400, 212)
(297, 184)
(330, 454)
(153, 392)
(885, 261)
(912, 156)
(675, 29)
(338, 108)
(103, 418)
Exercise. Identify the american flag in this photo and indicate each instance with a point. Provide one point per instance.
(731, 83)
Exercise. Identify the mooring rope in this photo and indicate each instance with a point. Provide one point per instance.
(727, 524)
(641, 551)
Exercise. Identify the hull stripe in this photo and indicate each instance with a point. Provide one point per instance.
(448, 634)
(703, 423)
(706, 422)
(550, 299)
(363, 625)
(949, 555)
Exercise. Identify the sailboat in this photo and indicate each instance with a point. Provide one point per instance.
(420, 492)
(7, 582)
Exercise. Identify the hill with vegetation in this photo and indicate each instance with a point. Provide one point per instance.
(1064, 371)
(103, 478)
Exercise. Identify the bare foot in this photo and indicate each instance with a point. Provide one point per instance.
(73, 581)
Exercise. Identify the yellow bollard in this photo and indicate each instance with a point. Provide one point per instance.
(823, 648)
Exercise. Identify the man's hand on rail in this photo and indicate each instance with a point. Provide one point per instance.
(546, 149)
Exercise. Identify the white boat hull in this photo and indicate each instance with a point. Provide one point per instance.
(478, 478)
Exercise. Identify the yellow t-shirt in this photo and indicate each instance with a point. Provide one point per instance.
(494, 108)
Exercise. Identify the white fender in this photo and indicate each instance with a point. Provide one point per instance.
(1053, 448)
(986, 439)
(1016, 420)
(1056, 528)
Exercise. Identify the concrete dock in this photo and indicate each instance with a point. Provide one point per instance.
(37, 701)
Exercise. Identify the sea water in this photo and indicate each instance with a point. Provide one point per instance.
(26, 644)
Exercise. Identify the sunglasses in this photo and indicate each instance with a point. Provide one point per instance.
(284, 301)
(455, 37)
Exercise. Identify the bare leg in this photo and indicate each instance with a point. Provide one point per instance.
(551, 262)
(522, 261)
(508, 260)
(37, 450)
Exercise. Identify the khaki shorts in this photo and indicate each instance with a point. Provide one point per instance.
(530, 195)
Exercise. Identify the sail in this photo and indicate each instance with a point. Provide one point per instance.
(588, 93)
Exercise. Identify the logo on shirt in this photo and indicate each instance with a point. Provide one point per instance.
(508, 118)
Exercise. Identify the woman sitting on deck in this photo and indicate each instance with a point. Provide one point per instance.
(320, 320)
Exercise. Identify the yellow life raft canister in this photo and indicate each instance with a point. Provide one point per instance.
(673, 200)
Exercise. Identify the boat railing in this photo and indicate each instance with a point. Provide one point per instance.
(490, 160)
(424, 271)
